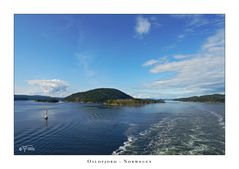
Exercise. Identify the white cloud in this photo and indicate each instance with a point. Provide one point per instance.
(150, 62)
(201, 73)
(215, 43)
(54, 87)
(164, 59)
(143, 26)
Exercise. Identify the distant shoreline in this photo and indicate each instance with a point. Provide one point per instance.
(214, 98)
(114, 97)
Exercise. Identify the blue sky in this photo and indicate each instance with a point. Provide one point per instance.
(146, 56)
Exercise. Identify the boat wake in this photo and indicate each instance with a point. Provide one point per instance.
(181, 134)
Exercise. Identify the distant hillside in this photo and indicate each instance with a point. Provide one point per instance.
(37, 98)
(99, 95)
(216, 98)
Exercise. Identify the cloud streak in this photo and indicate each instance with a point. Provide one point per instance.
(201, 73)
(84, 63)
(150, 62)
(198, 21)
(192, 20)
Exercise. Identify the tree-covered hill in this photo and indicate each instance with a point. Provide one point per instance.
(108, 96)
(99, 95)
(205, 98)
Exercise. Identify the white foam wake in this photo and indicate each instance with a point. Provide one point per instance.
(126, 144)
(219, 118)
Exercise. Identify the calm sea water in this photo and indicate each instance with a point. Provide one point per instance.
(75, 128)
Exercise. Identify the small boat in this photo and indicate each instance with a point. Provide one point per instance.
(46, 115)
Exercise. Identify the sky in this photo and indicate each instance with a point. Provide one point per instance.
(146, 56)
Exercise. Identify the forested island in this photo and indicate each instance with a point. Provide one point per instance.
(214, 98)
(133, 102)
(108, 96)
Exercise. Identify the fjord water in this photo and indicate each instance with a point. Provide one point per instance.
(91, 129)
